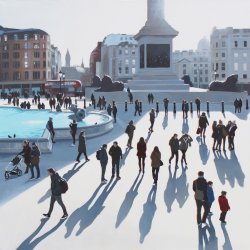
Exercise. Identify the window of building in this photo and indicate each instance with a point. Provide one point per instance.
(36, 37)
(195, 71)
(126, 70)
(120, 52)
(5, 65)
(5, 76)
(216, 54)
(44, 54)
(245, 66)
(44, 64)
(16, 37)
(223, 54)
(244, 54)
(37, 54)
(184, 65)
(133, 61)
(36, 64)
(206, 65)
(223, 66)
(133, 71)
(16, 65)
(25, 37)
(223, 44)
(26, 45)
(44, 74)
(26, 75)
(126, 61)
(201, 79)
(200, 71)
(236, 66)
(195, 65)
(223, 75)
(244, 76)
(206, 71)
(245, 44)
(5, 47)
(5, 55)
(236, 54)
(120, 70)
(16, 76)
(25, 55)
(5, 38)
(126, 51)
(206, 79)
(16, 55)
(195, 79)
(184, 72)
(36, 46)
(133, 52)
(235, 44)
(26, 65)
(16, 46)
(201, 65)
(216, 44)
(36, 75)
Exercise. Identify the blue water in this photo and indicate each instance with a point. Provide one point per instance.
(31, 123)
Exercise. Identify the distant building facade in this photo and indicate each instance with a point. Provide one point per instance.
(119, 56)
(95, 60)
(55, 62)
(67, 59)
(230, 53)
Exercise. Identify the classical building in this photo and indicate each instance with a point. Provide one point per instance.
(25, 59)
(95, 60)
(119, 55)
(196, 64)
(230, 53)
(67, 59)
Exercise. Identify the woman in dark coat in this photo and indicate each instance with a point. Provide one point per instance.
(155, 163)
(26, 153)
(141, 154)
(220, 128)
(203, 122)
(82, 147)
(214, 134)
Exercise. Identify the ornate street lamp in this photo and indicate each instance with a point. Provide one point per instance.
(62, 77)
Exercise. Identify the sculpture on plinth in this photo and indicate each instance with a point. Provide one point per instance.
(230, 84)
(79, 114)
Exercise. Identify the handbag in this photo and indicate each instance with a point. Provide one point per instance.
(199, 194)
(161, 163)
(198, 131)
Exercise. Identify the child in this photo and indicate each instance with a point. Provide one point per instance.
(224, 206)
(210, 195)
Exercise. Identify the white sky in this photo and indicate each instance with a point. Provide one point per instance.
(79, 24)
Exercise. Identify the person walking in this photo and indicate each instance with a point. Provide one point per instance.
(116, 154)
(50, 127)
(239, 105)
(103, 156)
(155, 163)
(184, 141)
(130, 131)
(236, 105)
(203, 123)
(114, 111)
(26, 153)
(109, 109)
(165, 102)
(35, 159)
(137, 108)
(82, 147)
(73, 129)
(224, 206)
(210, 196)
(56, 193)
(174, 145)
(186, 109)
(231, 135)
(214, 134)
(219, 135)
(141, 154)
(198, 106)
(152, 120)
(200, 189)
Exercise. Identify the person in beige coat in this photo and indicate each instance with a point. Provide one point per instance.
(155, 163)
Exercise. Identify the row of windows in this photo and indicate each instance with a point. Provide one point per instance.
(222, 66)
(126, 70)
(195, 65)
(126, 52)
(26, 46)
(126, 62)
(16, 64)
(36, 75)
(244, 76)
(236, 44)
(25, 37)
(236, 54)
(200, 72)
(16, 55)
(201, 79)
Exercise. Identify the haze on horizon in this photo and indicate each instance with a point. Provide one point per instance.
(78, 25)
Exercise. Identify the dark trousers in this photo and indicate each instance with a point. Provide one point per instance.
(114, 115)
(166, 110)
(155, 172)
(57, 198)
(103, 166)
(151, 125)
(199, 205)
(37, 171)
(130, 138)
(141, 162)
(27, 168)
(116, 167)
(223, 216)
(52, 135)
(231, 142)
(209, 205)
(73, 137)
(183, 157)
(79, 154)
(174, 153)
(203, 131)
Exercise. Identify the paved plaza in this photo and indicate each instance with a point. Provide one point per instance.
(132, 214)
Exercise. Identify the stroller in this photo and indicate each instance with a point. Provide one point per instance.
(13, 168)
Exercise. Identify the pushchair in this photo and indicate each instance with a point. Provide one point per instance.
(13, 167)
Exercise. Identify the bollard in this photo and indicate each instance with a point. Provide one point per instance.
(222, 107)
(94, 103)
(140, 106)
(174, 108)
(207, 107)
(126, 106)
(157, 107)
(84, 103)
(247, 104)
(191, 107)
(75, 101)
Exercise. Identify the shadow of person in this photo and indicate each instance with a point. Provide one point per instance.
(149, 209)
(204, 152)
(128, 201)
(185, 126)
(124, 156)
(165, 122)
(182, 188)
(170, 191)
(227, 244)
(29, 245)
(148, 137)
(212, 240)
(86, 215)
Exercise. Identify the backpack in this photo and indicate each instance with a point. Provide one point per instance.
(64, 185)
(98, 154)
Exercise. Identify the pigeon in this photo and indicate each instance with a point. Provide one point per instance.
(14, 136)
(9, 136)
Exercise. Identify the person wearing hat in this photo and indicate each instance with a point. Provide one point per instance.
(35, 159)
(73, 129)
(50, 127)
(130, 131)
(56, 193)
(82, 147)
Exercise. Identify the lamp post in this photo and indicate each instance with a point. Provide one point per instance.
(62, 76)
(215, 75)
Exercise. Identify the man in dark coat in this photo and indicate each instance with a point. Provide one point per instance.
(50, 127)
(56, 193)
(236, 105)
(73, 129)
(103, 161)
(82, 147)
(200, 189)
(174, 145)
(198, 105)
(165, 102)
(116, 154)
(114, 111)
(130, 131)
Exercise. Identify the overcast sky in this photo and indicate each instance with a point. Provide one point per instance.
(79, 24)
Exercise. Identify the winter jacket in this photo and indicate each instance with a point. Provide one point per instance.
(184, 142)
(201, 184)
(155, 159)
(141, 149)
(210, 194)
(174, 144)
(35, 155)
(219, 131)
(103, 156)
(215, 133)
(115, 153)
(231, 131)
(73, 127)
(55, 184)
(26, 152)
(152, 116)
(50, 126)
(82, 144)
(223, 202)
(203, 122)
(130, 129)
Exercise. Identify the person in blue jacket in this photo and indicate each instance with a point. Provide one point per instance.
(210, 195)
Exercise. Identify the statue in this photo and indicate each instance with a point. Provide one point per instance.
(229, 85)
(79, 114)
(107, 85)
(187, 80)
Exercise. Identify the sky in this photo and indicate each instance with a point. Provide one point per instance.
(78, 25)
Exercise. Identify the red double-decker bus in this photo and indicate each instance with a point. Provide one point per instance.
(67, 87)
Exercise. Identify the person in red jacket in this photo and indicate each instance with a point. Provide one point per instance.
(224, 206)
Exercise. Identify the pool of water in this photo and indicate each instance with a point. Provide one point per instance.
(31, 123)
